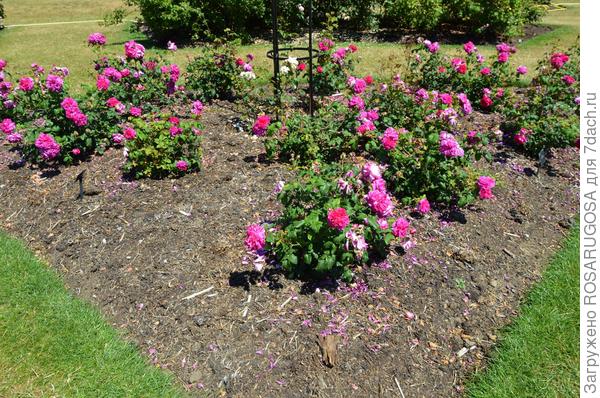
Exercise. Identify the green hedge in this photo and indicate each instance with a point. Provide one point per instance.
(202, 19)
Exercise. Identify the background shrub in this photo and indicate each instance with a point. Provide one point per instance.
(549, 113)
(413, 14)
(201, 19)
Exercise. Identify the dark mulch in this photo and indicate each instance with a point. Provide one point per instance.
(137, 249)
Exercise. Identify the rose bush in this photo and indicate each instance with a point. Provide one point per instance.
(412, 132)
(483, 81)
(161, 146)
(548, 114)
(334, 219)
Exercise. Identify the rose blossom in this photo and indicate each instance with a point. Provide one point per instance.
(47, 146)
(486, 102)
(54, 83)
(181, 165)
(449, 147)
(96, 39)
(134, 50)
(568, 79)
(14, 138)
(255, 237)
(522, 70)
(102, 83)
(118, 138)
(521, 136)
(485, 185)
(8, 126)
(26, 84)
(370, 172)
(558, 60)
(129, 133)
(400, 227)
(197, 108)
(389, 139)
(423, 206)
(380, 203)
(356, 102)
(261, 125)
(338, 218)
(469, 47)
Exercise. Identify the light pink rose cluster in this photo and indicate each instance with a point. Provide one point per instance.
(134, 50)
(449, 147)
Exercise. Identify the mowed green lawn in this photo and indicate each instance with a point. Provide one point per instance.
(65, 45)
(54, 345)
(538, 355)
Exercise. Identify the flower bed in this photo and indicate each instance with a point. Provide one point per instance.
(412, 135)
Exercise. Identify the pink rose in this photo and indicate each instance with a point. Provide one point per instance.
(338, 218)
(400, 228)
(255, 237)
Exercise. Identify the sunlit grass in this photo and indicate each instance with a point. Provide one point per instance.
(54, 345)
(538, 355)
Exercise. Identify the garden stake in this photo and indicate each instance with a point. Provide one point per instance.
(79, 178)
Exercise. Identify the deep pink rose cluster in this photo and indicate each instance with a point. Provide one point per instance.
(485, 185)
(557, 60)
(26, 84)
(504, 51)
(469, 47)
(102, 82)
(96, 39)
(73, 112)
(261, 125)
(8, 126)
(467, 108)
(389, 139)
(459, 65)
(197, 108)
(47, 146)
(423, 206)
(380, 202)
(521, 136)
(338, 218)
(115, 104)
(255, 237)
(181, 165)
(568, 79)
(432, 47)
(54, 83)
(400, 228)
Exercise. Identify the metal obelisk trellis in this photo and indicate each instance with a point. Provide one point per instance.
(275, 54)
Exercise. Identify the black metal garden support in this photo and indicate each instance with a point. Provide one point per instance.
(275, 55)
